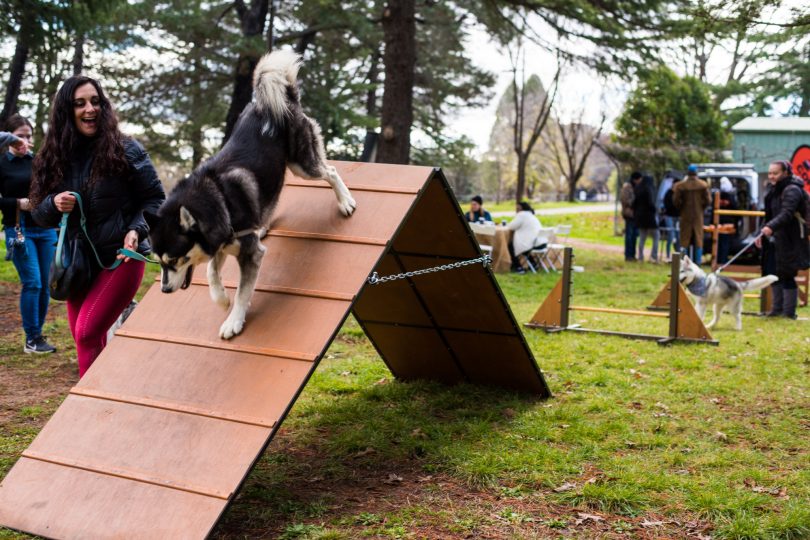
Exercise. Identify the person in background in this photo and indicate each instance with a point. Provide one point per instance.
(85, 152)
(626, 197)
(785, 248)
(525, 228)
(645, 216)
(691, 197)
(477, 214)
(31, 257)
(728, 201)
(670, 219)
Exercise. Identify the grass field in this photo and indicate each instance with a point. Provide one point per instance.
(639, 440)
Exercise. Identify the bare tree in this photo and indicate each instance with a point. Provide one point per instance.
(573, 147)
(527, 125)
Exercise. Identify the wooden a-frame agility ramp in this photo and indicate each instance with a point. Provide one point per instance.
(157, 438)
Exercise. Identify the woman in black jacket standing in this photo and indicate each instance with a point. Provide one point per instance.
(645, 216)
(787, 250)
(85, 152)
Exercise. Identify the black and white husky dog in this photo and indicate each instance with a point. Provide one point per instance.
(721, 292)
(223, 207)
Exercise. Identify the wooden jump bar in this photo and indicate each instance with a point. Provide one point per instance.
(752, 213)
(619, 311)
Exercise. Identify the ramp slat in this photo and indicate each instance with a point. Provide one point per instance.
(290, 325)
(62, 502)
(166, 447)
(235, 384)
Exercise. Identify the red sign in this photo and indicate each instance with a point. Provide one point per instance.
(801, 165)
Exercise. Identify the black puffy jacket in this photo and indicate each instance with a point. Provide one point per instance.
(113, 206)
(782, 201)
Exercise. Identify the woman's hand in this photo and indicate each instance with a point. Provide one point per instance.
(24, 205)
(767, 231)
(64, 201)
(130, 243)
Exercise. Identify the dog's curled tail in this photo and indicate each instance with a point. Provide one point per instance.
(273, 74)
(758, 283)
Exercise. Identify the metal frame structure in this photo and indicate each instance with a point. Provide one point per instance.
(684, 323)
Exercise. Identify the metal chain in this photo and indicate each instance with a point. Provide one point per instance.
(374, 279)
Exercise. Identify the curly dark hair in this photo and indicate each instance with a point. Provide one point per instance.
(63, 137)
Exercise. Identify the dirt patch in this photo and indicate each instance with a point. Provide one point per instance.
(388, 500)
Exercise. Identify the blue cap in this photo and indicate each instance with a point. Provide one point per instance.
(691, 169)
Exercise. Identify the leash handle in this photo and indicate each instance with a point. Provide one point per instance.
(83, 222)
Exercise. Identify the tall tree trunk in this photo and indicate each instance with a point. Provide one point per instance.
(370, 142)
(17, 67)
(399, 28)
(78, 54)
(252, 21)
(520, 189)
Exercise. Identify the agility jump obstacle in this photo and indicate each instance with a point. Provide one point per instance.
(684, 323)
(158, 437)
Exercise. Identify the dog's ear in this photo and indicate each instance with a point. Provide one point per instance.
(686, 259)
(187, 221)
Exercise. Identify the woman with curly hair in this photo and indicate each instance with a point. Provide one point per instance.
(85, 152)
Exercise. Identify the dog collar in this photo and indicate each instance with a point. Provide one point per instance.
(698, 287)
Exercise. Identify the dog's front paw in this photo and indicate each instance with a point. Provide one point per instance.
(231, 327)
(347, 205)
(220, 297)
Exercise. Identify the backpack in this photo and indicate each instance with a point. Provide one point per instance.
(669, 205)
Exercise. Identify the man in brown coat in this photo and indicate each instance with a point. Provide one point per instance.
(691, 196)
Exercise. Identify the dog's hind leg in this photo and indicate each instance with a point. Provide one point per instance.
(250, 260)
(308, 160)
(716, 309)
(737, 309)
(215, 287)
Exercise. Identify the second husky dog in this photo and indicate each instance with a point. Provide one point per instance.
(218, 209)
(721, 292)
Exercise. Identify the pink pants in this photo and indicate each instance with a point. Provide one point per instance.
(91, 315)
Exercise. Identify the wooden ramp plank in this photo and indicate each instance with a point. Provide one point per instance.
(275, 322)
(63, 502)
(157, 438)
(234, 385)
(167, 448)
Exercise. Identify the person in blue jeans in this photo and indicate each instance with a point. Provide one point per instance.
(28, 246)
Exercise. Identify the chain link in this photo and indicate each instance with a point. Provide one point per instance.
(374, 279)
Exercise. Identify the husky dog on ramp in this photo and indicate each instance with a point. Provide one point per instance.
(224, 205)
(721, 292)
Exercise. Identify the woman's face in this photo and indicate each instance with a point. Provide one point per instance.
(775, 173)
(23, 132)
(86, 109)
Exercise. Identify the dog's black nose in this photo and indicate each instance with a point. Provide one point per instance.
(166, 289)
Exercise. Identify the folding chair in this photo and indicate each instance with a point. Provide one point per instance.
(540, 252)
(555, 250)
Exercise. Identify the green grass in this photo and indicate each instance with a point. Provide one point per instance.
(685, 433)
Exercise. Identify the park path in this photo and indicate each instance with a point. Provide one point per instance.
(579, 209)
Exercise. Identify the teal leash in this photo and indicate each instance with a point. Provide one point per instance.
(83, 221)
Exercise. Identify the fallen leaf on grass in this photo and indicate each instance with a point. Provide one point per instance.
(367, 451)
(314, 479)
(345, 373)
(647, 523)
(641, 361)
(779, 492)
(384, 380)
(720, 436)
(392, 479)
(582, 517)
(418, 434)
(509, 413)
(423, 479)
(568, 486)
